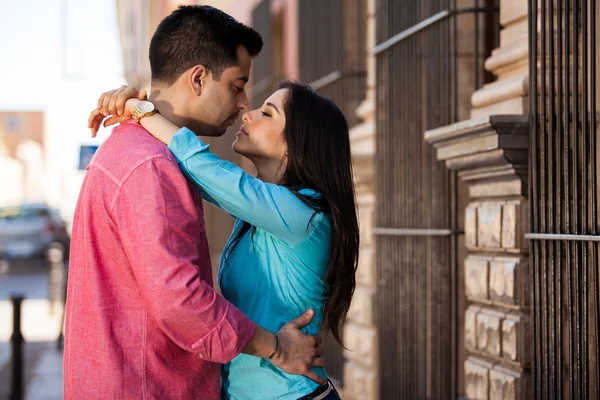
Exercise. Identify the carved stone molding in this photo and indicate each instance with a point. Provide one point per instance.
(488, 149)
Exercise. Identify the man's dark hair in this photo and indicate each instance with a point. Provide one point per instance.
(194, 35)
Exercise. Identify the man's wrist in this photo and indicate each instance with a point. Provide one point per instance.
(275, 348)
(262, 343)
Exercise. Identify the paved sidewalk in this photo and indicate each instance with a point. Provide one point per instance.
(46, 379)
(43, 371)
(42, 360)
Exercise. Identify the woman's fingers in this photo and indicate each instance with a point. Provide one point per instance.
(100, 101)
(95, 127)
(111, 121)
(104, 99)
(123, 96)
(94, 121)
(106, 102)
(93, 115)
(112, 103)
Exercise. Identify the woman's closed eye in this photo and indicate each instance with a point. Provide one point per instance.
(238, 89)
(265, 113)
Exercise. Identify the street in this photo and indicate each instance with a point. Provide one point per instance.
(41, 321)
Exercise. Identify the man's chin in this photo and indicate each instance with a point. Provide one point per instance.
(211, 132)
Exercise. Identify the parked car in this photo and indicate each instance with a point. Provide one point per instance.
(29, 230)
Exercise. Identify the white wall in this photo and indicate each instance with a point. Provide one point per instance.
(61, 55)
(11, 188)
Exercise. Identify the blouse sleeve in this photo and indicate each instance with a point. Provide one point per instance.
(267, 206)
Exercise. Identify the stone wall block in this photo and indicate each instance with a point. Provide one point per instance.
(489, 331)
(477, 380)
(503, 281)
(365, 221)
(366, 273)
(506, 384)
(361, 343)
(514, 221)
(510, 283)
(509, 226)
(489, 225)
(362, 306)
(360, 382)
(503, 384)
(514, 329)
(496, 281)
(471, 226)
(471, 327)
(477, 277)
(512, 11)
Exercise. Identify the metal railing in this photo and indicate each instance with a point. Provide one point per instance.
(332, 59)
(563, 198)
(417, 219)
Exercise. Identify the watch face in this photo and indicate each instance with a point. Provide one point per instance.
(145, 107)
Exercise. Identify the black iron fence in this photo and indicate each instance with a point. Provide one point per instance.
(417, 215)
(332, 52)
(563, 198)
(332, 59)
(264, 71)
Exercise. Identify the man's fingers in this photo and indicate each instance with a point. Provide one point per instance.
(312, 375)
(143, 95)
(318, 362)
(304, 319)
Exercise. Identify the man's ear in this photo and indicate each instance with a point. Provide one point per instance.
(197, 78)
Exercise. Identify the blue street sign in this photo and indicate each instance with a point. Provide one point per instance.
(85, 155)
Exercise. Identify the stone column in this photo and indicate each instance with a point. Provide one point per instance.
(360, 333)
(490, 151)
(490, 154)
(509, 94)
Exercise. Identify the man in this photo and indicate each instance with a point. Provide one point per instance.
(143, 320)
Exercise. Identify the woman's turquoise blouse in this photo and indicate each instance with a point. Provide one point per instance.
(273, 275)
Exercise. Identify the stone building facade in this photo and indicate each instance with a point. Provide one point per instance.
(485, 150)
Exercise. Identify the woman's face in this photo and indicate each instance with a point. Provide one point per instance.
(261, 136)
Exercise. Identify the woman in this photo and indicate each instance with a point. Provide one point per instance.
(295, 242)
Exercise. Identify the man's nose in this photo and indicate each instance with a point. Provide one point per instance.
(243, 103)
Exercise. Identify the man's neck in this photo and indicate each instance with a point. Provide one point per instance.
(165, 102)
(172, 103)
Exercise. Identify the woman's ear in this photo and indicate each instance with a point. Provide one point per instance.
(197, 78)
